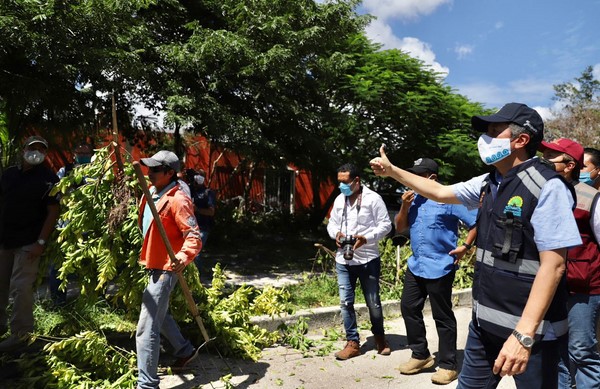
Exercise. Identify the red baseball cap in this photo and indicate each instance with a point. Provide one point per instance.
(567, 146)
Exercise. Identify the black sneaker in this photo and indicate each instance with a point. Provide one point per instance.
(182, 362)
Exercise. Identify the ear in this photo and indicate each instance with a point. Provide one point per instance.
(521, 141)
(570, 166)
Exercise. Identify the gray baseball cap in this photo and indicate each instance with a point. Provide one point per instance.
(35, 139)
(163, 158)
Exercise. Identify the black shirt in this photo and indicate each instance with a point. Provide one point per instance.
(25, 196)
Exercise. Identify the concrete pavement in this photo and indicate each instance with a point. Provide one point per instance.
(283, 367)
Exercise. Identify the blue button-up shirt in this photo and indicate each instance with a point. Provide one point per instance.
(433, 234)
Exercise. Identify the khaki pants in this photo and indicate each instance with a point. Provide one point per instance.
(18, 272)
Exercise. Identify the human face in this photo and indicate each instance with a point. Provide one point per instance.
(563, 164)
(160, 176)
(588, 166)
(344, 178)
(34, 154)
(499, 130)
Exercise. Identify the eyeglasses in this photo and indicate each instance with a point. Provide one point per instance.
(158, 169)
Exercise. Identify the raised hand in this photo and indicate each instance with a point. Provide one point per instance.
(381, 165)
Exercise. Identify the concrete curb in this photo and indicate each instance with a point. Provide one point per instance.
(330, 316)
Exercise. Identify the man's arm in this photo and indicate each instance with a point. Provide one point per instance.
(183, 212)
(514, 356)
(52, 214)
(401, 219)
(425, 187)
(461, 250)
(334, 223)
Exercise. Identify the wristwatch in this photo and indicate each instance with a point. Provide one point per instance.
(41, 242)
(525, 340)
(468, 246)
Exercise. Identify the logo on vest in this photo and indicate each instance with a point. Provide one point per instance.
(514, 206)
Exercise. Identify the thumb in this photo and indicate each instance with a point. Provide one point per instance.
(382, 150)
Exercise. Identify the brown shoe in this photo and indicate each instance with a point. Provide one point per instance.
(382, 345)
(444, 376)
(351, 350)
(413, 366)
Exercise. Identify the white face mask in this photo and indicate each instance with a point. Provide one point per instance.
(199, 179)
(492, 150)
(34, 157)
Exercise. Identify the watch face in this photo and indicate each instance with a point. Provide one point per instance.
(527, 341)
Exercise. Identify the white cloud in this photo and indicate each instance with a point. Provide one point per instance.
(381, 32)
(499, 25)
(463, 50)
(402, 9)
(596, 71)
(545, 112)
(528, 91)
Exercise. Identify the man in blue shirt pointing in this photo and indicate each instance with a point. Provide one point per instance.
(431, 269)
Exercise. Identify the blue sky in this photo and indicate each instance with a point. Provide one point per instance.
(495, 52)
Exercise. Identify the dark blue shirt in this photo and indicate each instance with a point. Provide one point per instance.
(25, 198)
(433, 234)
(204, 198)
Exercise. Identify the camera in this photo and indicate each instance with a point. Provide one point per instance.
(347, 246)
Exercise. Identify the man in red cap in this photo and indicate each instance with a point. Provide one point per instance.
(581, 356)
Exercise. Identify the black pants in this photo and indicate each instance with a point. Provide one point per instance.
(439, 290)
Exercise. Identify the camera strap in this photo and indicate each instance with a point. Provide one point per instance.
(345, 211)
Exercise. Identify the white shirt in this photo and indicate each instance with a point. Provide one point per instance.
(370, 220)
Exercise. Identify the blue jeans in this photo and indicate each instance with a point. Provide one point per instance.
(580, 360)
(368, 274)
(154, 321)
(481, 351)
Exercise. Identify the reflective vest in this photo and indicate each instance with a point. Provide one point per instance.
(507, 256)
(583, 262)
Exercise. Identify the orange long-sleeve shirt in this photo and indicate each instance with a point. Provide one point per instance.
(177, 215)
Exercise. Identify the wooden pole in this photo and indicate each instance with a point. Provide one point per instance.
(161, 229)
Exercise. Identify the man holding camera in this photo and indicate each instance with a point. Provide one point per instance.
(358, 221)
(431, 269)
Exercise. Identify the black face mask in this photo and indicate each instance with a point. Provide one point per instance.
(548, 163)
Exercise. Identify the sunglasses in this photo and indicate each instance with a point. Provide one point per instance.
(159, 169)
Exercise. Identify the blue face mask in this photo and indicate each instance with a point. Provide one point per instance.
(83, 159)
(586, 179)
(346, 189)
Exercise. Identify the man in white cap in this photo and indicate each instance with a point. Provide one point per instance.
(177, 215)
(28, 216)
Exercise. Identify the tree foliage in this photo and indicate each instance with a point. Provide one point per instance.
(579, 119)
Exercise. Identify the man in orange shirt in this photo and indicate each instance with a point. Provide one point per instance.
(177, 215)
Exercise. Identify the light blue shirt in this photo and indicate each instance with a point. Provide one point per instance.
(433, 234)
(553, 222)
(148, 218)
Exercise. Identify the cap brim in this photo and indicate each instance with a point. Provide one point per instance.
(150, 162)
(551, 146)
(37, 141)
(418, 170)
(480, 123)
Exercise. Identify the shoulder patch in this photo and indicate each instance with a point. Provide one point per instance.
(191, 221)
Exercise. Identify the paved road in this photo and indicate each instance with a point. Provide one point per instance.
(286, 368)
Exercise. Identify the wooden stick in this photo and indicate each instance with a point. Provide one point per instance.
(161, 229)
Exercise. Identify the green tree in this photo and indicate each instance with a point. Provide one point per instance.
(579, 119)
